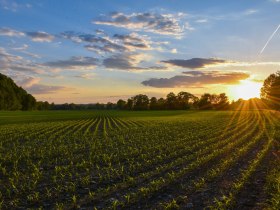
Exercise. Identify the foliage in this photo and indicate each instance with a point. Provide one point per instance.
(13, 97)
(271, 90)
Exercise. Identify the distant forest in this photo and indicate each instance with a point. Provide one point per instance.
(13, 97)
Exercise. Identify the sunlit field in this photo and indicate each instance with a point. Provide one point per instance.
(139, 160)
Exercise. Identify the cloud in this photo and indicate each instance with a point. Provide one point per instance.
(10, 32)
(45, 89)
(86, 76)
(174, 51)
(36, 36)
(13, 5)
(23, 47)
(197, 78)
(31, 84)
(74, 63)
(134, 41)
(250, 11)
(40, 36)
(167, 24)
(17, 63)
(106, 44)
(195, 63)
(203, 20)
(97, 44)
(127, 62)
(28, 82)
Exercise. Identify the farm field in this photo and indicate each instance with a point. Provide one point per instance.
(140, 160)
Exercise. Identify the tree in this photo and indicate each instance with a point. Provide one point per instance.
(219, 102)
(270, 91)
(121, 104)
(141, 102)
(205, 101)
(153, 103)
(223, 102)
(129, 104)
(13, 97)
(29, 102)
(183, 100)
(171, 101)
(161, 103)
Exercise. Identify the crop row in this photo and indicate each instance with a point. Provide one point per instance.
(113, 162)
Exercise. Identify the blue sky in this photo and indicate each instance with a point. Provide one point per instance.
(99, 51)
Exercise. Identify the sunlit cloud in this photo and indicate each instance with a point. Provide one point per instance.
(197, 78)
(27, 82)
(167, 24)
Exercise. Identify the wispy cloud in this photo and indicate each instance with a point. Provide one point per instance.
(21, 48)
(28, 81)
(74, 63)
(102, 43)
(197, 78)
(40, 36)
(36, 36)
(13, 5)
(10, 32)
(128, 62)
(18, 63)
(86, 76)
(45, 89)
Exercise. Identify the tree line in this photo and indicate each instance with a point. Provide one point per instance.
(13, 97)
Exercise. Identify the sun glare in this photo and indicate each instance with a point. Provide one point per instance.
(246, 90)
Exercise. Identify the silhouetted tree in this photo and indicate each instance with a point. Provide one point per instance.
(13, 97)
(171, 101)
(204, 102)
(140, 102)
(270, 91)
(129, 104)
(161, 103)
(154, 103)
(184, 100)
(121, 104)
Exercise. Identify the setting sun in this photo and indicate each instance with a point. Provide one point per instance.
(246, 90)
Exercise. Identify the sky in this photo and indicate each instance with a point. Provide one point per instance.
(99, 51)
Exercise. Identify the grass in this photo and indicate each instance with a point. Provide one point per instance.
(147, 160)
